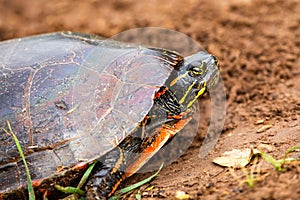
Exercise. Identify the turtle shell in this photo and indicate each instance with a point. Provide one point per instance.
(71, 98)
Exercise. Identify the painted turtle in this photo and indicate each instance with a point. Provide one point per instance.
(74, 98)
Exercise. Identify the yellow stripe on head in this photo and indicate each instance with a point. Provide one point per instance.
(198, 95)
(177, 78)
(187, 92)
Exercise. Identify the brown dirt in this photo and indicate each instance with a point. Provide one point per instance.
(258, 44)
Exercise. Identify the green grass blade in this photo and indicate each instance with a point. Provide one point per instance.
(76, 190)
(272, 161)
(70, 190)
(138, 196)
(134, 186)
(30, 188)
(86, 175)
(249, 177)
(291, 149)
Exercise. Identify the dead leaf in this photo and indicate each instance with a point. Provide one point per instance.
(236, 158)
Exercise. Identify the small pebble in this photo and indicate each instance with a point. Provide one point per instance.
(181, 195)
(260, 121)
(263, 128)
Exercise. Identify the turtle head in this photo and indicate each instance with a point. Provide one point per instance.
(198, 74)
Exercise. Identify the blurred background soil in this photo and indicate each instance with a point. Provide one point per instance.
(258, 46)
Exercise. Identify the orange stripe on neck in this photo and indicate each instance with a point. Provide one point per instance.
(164, 134)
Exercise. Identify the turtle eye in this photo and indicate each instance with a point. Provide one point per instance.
(197, 69)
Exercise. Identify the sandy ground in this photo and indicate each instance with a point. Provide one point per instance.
(258, 46)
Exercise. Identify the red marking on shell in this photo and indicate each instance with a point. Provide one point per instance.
(36, 183)
(80, 166)
(159, 93)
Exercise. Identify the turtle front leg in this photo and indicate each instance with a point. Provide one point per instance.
(109, 172)
(106, 175)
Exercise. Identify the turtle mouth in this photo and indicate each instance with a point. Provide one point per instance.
(214, 79)
(215, 74)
